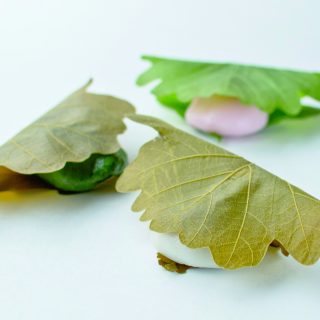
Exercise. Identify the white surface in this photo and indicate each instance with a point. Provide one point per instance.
(87, 256)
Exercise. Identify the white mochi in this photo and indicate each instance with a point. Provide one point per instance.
(170, 246)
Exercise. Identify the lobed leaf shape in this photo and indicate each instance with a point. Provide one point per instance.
(81, 125)
(215, 199)
(269, 89)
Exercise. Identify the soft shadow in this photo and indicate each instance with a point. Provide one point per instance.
(40, 201)
(275, 271)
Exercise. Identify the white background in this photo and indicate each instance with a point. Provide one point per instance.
(87, 256)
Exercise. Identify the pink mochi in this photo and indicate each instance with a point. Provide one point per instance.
(225, 116)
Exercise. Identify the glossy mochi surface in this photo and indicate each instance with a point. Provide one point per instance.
(225, 116)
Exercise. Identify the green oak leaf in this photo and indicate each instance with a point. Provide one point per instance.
(270, 89)
(305, 113)
(80, 126)
(215, 199)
